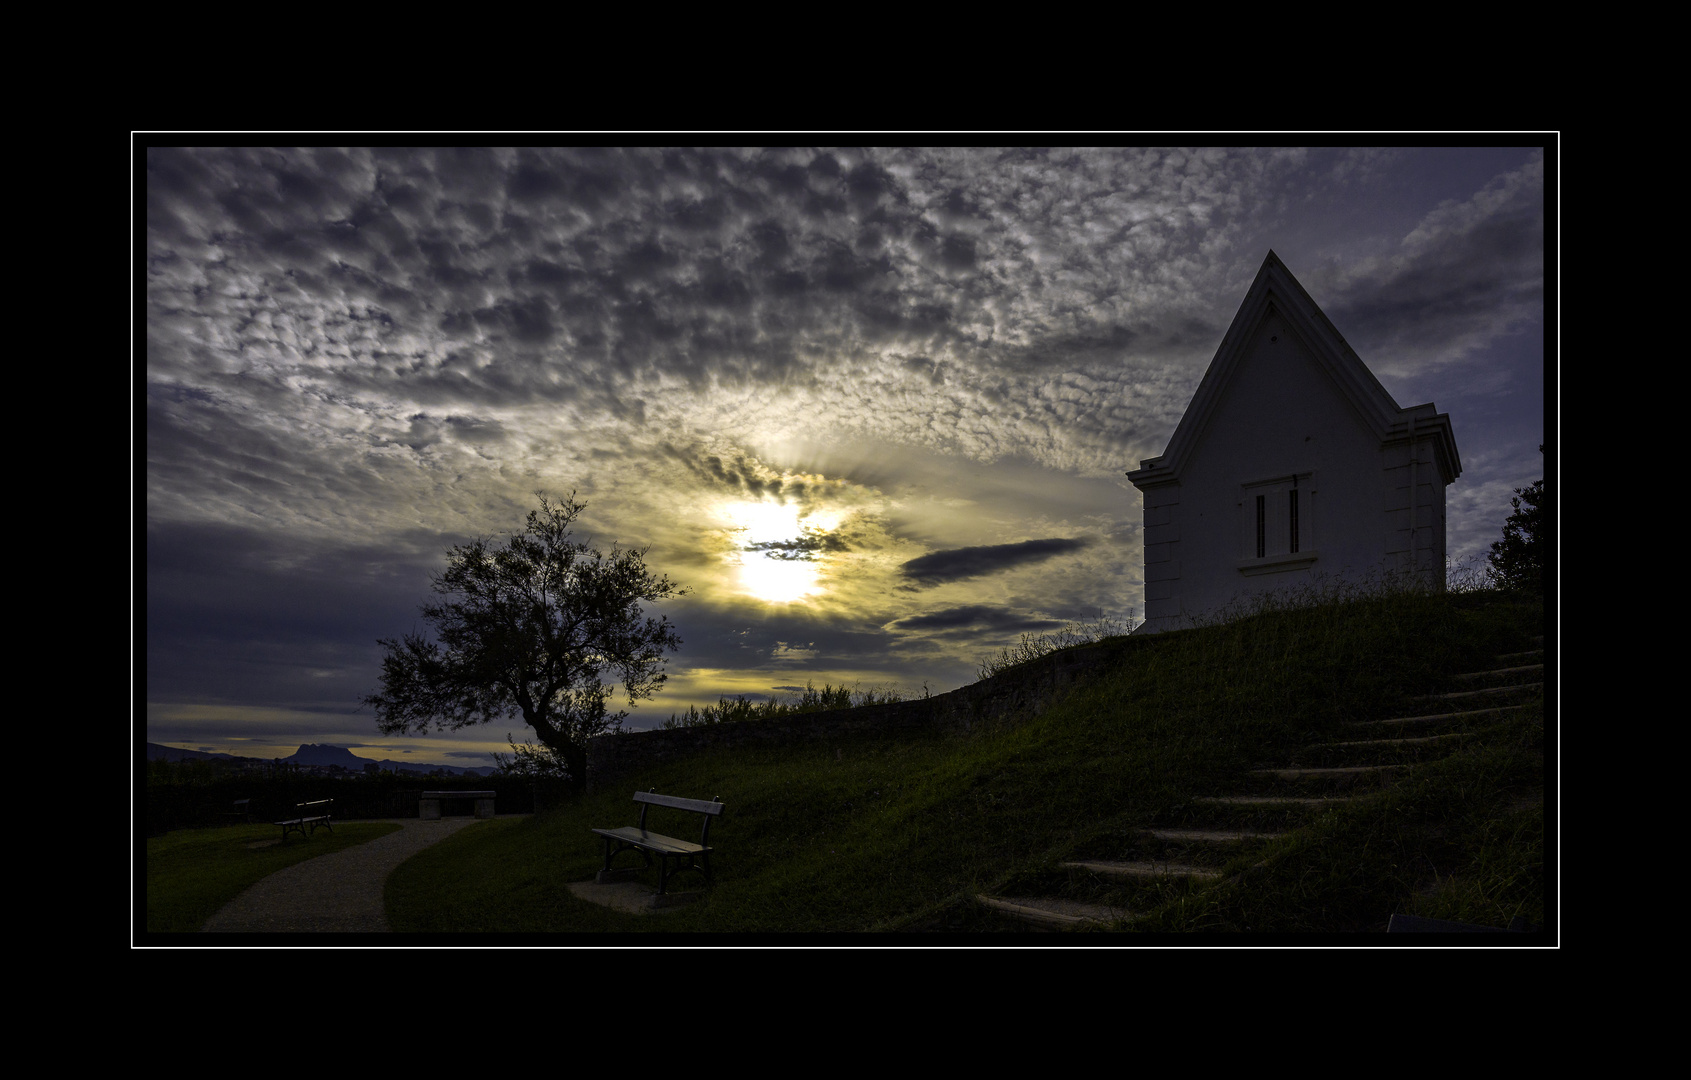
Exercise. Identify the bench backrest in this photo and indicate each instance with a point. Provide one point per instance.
(710, 809)
(698, 806)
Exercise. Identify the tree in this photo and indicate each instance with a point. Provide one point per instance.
(529, 626)
(1517, 560)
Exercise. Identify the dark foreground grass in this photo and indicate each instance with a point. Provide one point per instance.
(191, 873)
(877, 835)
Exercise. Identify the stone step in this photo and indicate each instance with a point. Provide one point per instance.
(1399, 747)
(1422, 740)
(1349, 772)
(1052, 913)
(1324, 773)
(1517, 657)
(1211, 836)
(1140, 870)
(1489, 692)
(1273, 800)
(1437, 718)
(1520, 671)
(1263, 810)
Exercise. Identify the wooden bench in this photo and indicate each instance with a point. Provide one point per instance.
(307, 819)
(688, 856)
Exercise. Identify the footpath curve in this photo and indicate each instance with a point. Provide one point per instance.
(339, 893)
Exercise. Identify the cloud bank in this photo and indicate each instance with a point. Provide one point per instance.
(936, 364)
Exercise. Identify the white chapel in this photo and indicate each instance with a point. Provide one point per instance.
(1291, 463)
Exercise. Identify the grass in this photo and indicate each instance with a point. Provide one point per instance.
(1034, 646)
(191, 873)
(878, 835)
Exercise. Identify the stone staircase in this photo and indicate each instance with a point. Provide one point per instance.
(1161, 863)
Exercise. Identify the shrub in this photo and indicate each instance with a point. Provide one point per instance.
(1033, 646)
(728, 710)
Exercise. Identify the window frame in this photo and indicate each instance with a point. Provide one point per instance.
(1277, 523)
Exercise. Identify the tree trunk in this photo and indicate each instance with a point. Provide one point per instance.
(575, 757)
(567, 750)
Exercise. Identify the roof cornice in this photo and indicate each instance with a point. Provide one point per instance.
(1424, 421)
(1276, 291)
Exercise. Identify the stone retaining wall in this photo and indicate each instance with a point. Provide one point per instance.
(1009, 697)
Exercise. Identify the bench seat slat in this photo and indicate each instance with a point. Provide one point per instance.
(686, 855)
(652, 841)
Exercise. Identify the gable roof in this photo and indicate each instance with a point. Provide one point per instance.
(1276, 292)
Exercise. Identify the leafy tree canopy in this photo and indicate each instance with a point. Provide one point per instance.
(531, 626)
(1517, 560)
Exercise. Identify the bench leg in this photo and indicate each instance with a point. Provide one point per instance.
(620, 847)
(693, 863)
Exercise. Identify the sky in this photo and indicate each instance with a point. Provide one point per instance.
(872, 407)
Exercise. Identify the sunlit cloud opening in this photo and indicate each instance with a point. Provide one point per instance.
(877, 426)
(777, 556)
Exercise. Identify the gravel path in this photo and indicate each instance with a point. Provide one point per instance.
(338, 893)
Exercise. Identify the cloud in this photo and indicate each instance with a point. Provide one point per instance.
(356, 357)
(959, 563)
(970, 620)
(1470, 272)
(805, 548)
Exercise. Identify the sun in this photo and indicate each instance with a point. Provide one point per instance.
(776, 558)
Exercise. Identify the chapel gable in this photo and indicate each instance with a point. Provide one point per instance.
(1292, 462)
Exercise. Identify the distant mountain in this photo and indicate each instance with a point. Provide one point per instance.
(322, 756)
(312, 754)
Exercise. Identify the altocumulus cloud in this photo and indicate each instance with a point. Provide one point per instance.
(922, 357)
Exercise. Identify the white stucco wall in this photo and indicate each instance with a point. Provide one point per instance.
(1279, 416)
(1428, 537)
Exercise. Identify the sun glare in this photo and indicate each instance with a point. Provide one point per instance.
(772, 560)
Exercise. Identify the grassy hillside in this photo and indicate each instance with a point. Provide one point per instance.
(877, 835)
